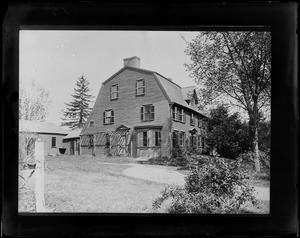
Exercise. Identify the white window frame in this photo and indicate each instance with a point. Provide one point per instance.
(141, 138)
(140, 89)
(192, 120)
(108, 119)
(157, 140)
(181, 138)
(114, 92)
(150, 114)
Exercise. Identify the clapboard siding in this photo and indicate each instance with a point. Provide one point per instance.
(127, 109)
(127, 106)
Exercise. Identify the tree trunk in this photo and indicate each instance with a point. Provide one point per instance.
(256, 151)
(253, 132)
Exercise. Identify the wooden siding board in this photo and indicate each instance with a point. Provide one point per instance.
(127, 107)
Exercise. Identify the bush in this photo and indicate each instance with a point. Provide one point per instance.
(26, 149)
(216, 187)
(264, 156)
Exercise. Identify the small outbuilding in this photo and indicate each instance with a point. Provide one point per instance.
(72, 142)
(48, 132)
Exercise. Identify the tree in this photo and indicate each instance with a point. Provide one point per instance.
(227, 133)
(78, 110)
(34, 102)
(235, 66)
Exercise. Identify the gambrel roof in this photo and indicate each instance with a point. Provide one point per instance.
(41, 127)
(172, 91)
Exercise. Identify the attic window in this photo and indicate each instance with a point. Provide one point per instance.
(140, 87)
(114, 92)
(92, 123)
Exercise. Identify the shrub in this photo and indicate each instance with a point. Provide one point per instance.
(26, 149)
(216, 187)
(264, 156)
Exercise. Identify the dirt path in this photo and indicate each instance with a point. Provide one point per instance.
(166, 175)
(156, 174)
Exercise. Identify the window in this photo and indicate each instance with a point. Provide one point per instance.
(53, 142)
(114, 92)
(192, 119)
(143, 138)
(175, 138)
(175, 113)
(92, 123)
(147, 113)
(192, 140)
(157, 138)
(108, 117)
(178, 114)
(140, 87)
(199, 122)
(199, 141)
(181, 138)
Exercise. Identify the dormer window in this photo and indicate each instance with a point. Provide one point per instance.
(140, 87)
(114, 92)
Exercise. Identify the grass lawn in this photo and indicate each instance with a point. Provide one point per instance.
(93, 184)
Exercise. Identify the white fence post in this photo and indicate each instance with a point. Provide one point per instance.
(39, 176)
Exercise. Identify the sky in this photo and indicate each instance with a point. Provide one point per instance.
(56, 59)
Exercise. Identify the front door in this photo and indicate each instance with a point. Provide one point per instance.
(72, 147)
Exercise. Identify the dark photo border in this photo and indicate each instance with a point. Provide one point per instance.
(279, 18)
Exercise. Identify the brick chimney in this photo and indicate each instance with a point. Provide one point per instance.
(132, 62)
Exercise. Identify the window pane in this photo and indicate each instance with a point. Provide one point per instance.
(145, 138)
(53, 141)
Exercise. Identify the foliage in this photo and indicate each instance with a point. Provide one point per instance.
(26, 149)
(234, 67)
(77, 111)
(227, 133)
(34, 101)
(247, 157)
(264, 136)
(215, 187)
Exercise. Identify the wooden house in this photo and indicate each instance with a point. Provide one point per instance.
(48, 132)
(72, 142)
(141, 113)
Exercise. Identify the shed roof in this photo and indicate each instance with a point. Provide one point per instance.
(41, 127)
(73, 134)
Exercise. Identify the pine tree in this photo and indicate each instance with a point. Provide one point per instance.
(78, 110)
